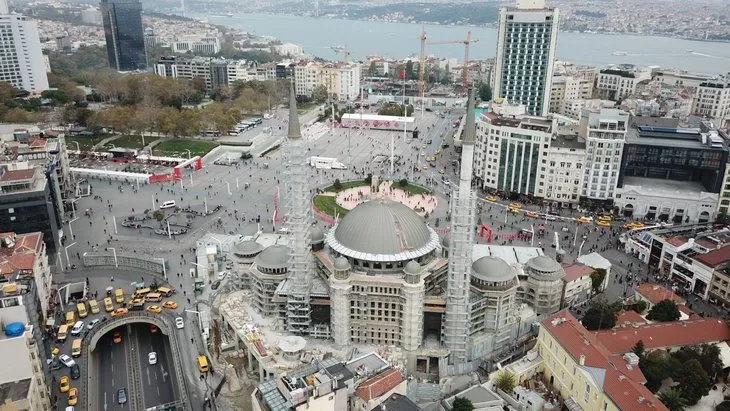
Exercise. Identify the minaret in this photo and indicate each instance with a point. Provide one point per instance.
(298, 309)
(463, 205)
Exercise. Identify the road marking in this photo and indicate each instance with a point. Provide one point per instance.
(112, 381)
(149, 380)
(158, 391)
(105, 396)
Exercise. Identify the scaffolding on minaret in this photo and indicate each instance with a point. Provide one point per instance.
(463, 205)
(298, 220)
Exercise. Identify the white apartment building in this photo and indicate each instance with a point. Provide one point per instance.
(564, 170)
(617, 82)
(511, 150)
(576, 108)
(681, 78)
(723, 205)
(568, 88)
(605, 133)
(712, 98)
(201, 45)
(289, 49)
(21, 59)
(341, 79)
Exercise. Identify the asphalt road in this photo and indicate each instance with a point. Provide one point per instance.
(157, 379)
(111, 372)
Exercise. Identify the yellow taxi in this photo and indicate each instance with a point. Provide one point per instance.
(441, 171)
(514, 210)
(154, 309)
(492, 198)
(424, 168)
(137, 301)
(532, 214)
(633, 225)
(119, 312)
(515, 205)
(55, 351)
(170, 304)
(584, 220)
(605, 218)
(438, 151)
(603, 223)
(73, 396)
(64, 384)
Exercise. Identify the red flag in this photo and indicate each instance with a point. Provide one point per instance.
(402, 74)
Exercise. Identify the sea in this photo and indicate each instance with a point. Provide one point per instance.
(320, 36)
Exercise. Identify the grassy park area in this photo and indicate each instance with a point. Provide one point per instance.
(85, 142)
(345, 185)
(129, 141)
(328, 205)
(179, 148)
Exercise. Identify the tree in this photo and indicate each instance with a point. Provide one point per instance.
(158, 215)
(693, 380)
(505, 381)
(403, 183)
(485, 92)
(319, 93)
(665, 310)
(656, 368)
(707, 355)
(639, 306)
(372, 70)
(673, 399)
(597, 277)
(638, 349)
(394, 110)
(409, 70)
(600, 315)
(462, 404)
(337, 185)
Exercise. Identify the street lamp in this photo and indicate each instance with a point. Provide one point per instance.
(78, 148)
(164, 269)
(70, 229)
(66, 250)
(190, 154)
(114, 250)
(200, 320)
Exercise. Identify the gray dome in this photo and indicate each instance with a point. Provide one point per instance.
(446, 240)
(273, 257)
(412, 267)
(341, 263)
(382, 227)
(316, 235)
(492, 269)
(248, 248)
(545, 267)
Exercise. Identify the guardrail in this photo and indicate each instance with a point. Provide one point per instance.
(135, 395)
(163, 323)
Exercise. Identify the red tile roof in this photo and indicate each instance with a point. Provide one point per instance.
(663, 335)
(576, 271)
(629, 317)
(379, 384)
(622, 382)
(17, 175)
(22, 255)
(715, 257)
(655, 293)
(676, 241)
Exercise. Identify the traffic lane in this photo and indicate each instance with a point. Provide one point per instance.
(112, 370)
(166, 371)
(156, 378)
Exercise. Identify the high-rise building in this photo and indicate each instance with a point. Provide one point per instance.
(21, 58)
(605, 134)
(124, 34)
(526, 44)
(712, 98)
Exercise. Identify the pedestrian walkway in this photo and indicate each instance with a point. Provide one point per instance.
(420, 203)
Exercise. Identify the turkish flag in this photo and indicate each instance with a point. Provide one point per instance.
(402, 74)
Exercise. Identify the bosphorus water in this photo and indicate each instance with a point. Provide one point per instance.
(399, 40)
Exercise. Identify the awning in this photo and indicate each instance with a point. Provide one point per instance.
(724, 353)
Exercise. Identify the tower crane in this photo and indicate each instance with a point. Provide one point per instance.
(466, 42)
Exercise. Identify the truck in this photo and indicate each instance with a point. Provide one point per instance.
(327, 163)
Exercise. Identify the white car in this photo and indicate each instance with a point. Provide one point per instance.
(179, 323)
(66, 360)
(222, 275)
(93, 323)
(78, 327)
(152, 357)
(168, 204)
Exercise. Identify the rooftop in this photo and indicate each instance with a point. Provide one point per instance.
(621, 382)
(17, 366)
(379, 384)
(575, 271)
(629, 317)
(366, 364)
(669, 334)
(594, 260)
(654, 293)
(511, 255)
(18, 252)
(715, 257)
(659, 187)
(567, 141)
(674, 137)
(397, 402)
(14, 391)
(478, 394)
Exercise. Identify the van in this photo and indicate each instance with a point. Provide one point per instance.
(76, 348)
(78, 327)
(81, 307)
(164, 291)
(62, 333)
(119, 295)
(202, 363)
(168, 204)
(153, 298)
(108, 306)
(94, 306)
(70, 318)
(141, 292)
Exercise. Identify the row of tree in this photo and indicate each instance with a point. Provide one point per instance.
(601, 315)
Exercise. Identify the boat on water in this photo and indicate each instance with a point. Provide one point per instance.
(620, 53)
(229, 15)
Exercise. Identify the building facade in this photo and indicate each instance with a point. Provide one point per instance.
(21, 58)
(341, 80)
(526, 44)
(124, 34)
(616, 83)
(605, 133)
(564, 171)
(712, 98)
(512, 151)
(569, 88)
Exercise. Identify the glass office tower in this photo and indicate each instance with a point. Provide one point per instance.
(124, 34)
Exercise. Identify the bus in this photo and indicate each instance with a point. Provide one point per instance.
(94, 306)
(153, 298)
(81, 307)
(76, 348)
(62, 333)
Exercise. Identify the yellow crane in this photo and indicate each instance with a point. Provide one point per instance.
(466, 42)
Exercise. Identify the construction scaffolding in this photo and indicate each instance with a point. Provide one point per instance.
(298, 219)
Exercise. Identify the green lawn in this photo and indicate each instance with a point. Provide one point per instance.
(85, 143)
(346, 185)
(178, 148)
(131, 142)
(413, 189)
(329, 206)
